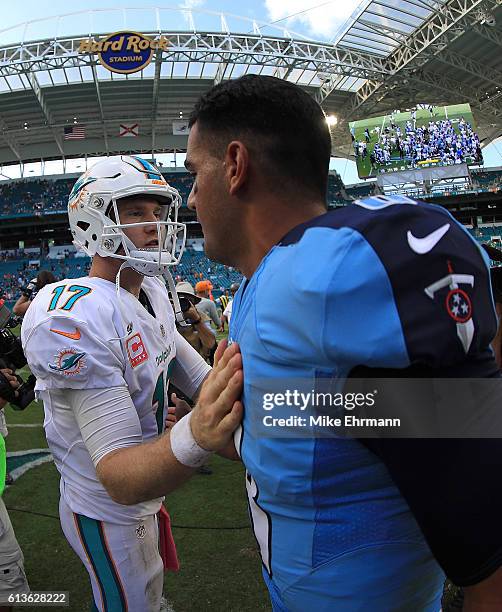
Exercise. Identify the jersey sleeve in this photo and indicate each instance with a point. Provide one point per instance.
(361, 322)
(335, 316)
(107, 418)
(72, 350)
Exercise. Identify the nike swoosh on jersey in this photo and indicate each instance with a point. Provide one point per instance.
(427, 243)
(72, 335)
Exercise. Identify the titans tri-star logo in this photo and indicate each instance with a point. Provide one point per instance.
(458, 303)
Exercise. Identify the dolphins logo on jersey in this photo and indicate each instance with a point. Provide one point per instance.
(69, 362)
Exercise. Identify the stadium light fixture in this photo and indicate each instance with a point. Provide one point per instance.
(486, 18)
(331, 120)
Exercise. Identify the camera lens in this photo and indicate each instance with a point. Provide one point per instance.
(185, 304)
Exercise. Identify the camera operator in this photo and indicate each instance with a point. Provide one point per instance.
(45, 277)
(197, 333)
(12, 576)
(11, 359)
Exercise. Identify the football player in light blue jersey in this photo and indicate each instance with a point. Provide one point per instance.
(377, 288)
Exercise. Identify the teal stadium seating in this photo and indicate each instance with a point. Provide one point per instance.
(40, 197)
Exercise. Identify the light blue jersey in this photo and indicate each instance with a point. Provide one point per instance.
(334, 531)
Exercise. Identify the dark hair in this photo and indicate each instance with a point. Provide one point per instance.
(45, 277)
(284, 123)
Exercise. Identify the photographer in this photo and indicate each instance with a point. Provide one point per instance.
(11, 359)
(12, 576)
(45, 277)
(198, 334)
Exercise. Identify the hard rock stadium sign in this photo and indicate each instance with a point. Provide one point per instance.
(124, 52)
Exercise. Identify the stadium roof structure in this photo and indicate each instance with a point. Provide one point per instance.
(392, 54)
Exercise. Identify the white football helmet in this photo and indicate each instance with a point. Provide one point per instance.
(95, 219)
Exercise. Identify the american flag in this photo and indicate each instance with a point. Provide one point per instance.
(74, 132)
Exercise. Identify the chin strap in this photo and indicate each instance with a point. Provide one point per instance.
(127, 324)
(178, 315)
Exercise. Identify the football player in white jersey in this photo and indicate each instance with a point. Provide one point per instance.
(103, 349)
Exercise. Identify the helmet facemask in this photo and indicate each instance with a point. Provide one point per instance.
(170, 236)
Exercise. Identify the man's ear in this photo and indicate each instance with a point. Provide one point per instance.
(236, 165)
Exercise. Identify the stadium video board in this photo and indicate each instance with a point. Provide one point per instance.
(423, 137)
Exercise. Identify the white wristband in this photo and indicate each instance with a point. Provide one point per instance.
(183, 444)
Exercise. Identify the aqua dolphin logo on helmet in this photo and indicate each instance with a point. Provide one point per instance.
(95, 217)
(80, 184)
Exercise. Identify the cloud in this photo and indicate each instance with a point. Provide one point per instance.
(191, 4)
(323, 21)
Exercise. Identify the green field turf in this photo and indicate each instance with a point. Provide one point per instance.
(364, 167)
(220, 565)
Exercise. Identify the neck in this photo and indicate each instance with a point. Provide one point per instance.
(107, 269)
(267, 225)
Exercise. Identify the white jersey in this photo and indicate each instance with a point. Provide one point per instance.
(71, 337)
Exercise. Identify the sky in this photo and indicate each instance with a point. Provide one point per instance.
(313, 19)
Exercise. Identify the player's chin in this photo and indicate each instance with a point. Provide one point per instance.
(213, 250)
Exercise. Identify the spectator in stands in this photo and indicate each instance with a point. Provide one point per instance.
(206, 305)
(227, 312)
(329, 295)
(44, 277)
